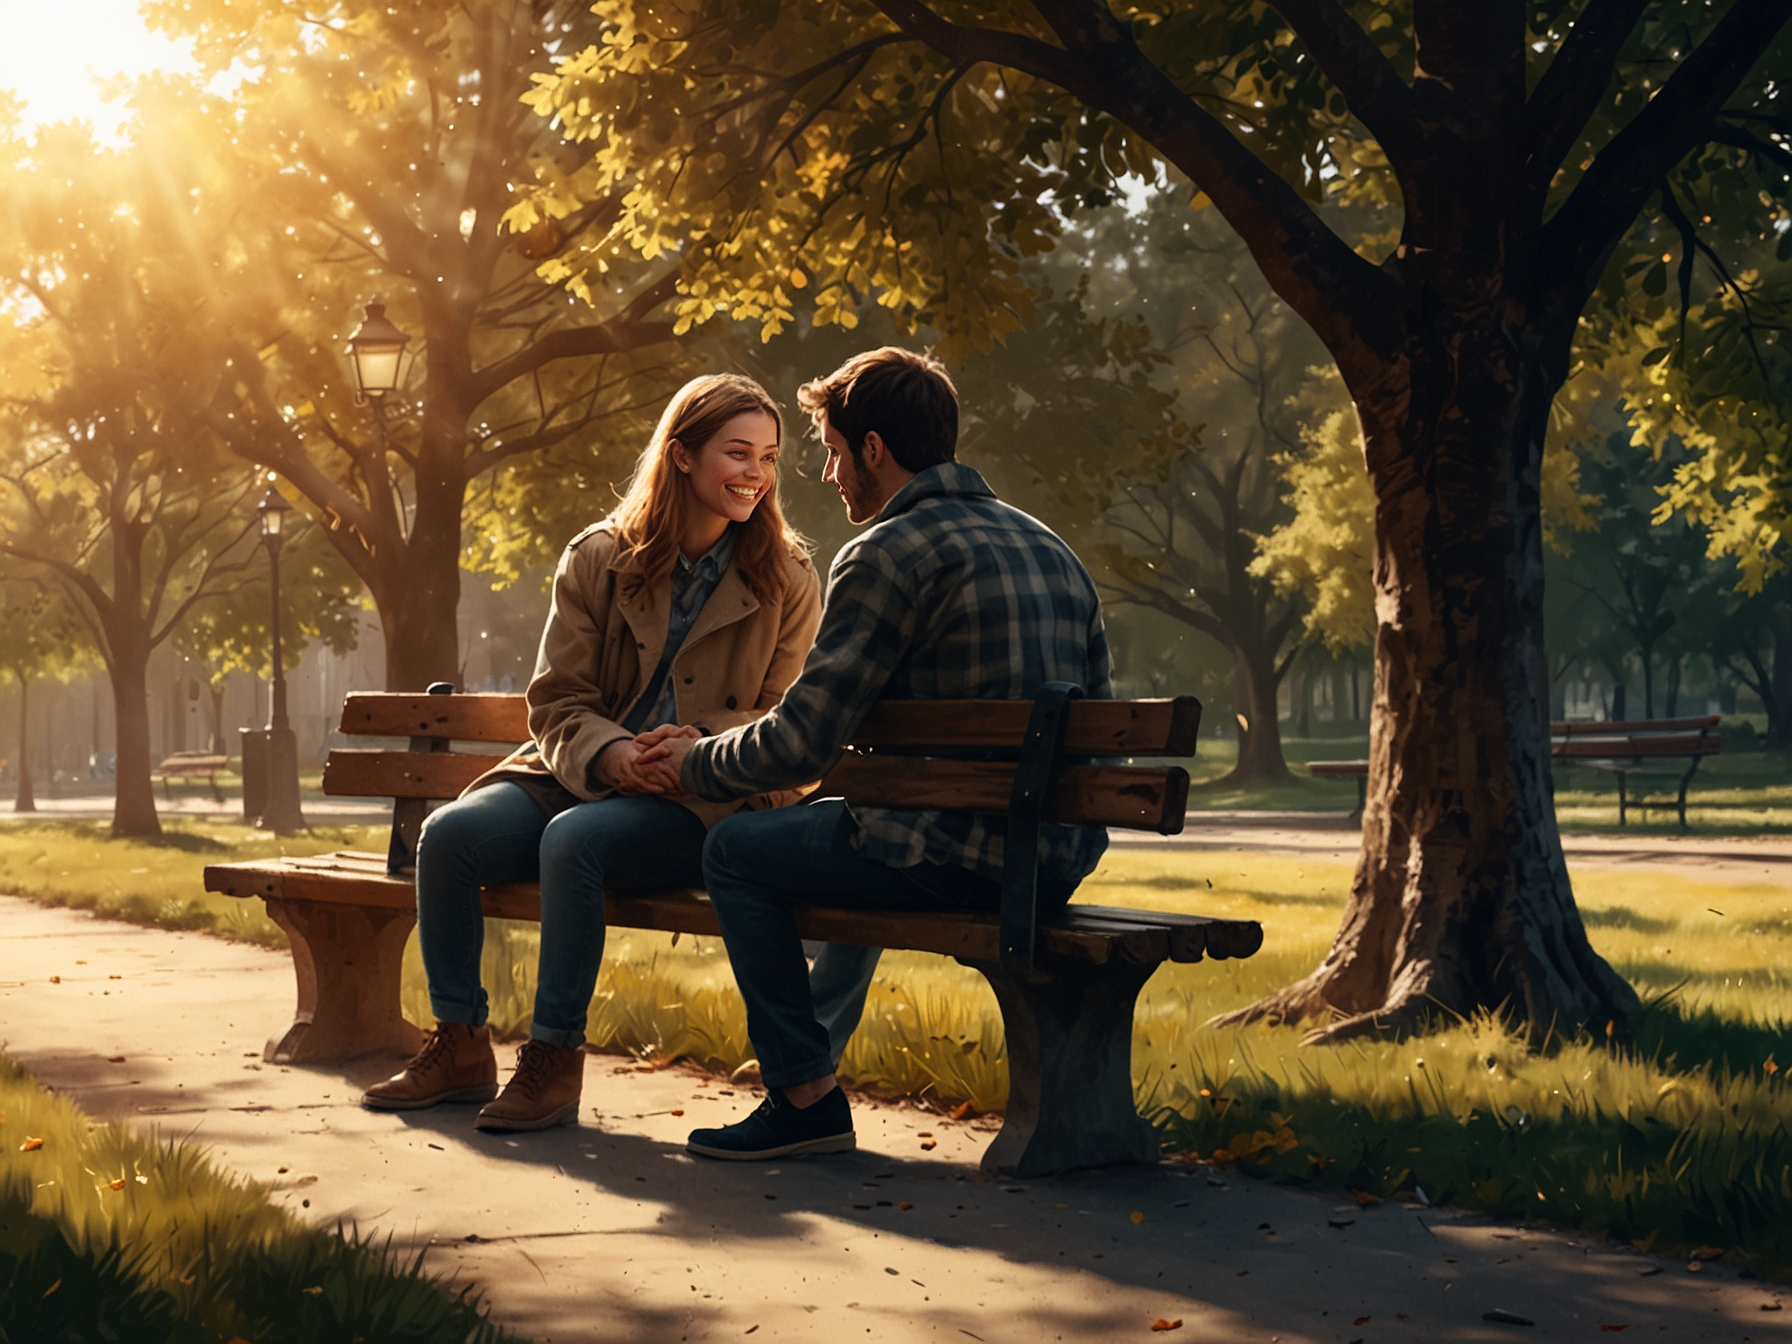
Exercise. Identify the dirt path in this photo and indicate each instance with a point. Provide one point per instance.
(610, 1232)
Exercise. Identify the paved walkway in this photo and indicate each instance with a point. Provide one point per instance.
(610, 1232)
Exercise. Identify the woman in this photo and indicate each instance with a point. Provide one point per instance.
(691, 604)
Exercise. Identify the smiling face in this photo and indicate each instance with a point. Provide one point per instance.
(850, 476)
(736, 469)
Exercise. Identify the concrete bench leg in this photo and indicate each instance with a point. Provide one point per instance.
(348, 960)
(1070, 1100)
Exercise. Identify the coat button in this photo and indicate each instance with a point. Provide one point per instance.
(732, 702)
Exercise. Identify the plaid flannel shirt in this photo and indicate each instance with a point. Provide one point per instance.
(950, 595)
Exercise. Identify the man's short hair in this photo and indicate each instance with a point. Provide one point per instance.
(908, 399)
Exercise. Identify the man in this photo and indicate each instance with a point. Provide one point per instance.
(950, 595)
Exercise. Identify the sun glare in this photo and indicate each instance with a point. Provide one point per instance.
(54, 53)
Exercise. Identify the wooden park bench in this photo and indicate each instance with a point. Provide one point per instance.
(1066, 985)
(181, 764)
(1649, 747)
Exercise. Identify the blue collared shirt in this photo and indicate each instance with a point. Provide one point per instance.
(950, 595)
(692, 586)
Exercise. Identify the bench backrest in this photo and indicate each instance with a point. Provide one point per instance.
(1032, 763)
(1631, 738)
(888, 763)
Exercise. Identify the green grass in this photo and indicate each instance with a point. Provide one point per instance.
(158, 880)
(108, 1234)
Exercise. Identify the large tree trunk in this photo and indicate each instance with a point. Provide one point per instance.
(1779, 703)
(25, 800)
(134, 805)
(1259, 731)
(419, 601)
(1461, 900)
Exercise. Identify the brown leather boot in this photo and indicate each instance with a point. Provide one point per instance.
(542, 1093)
(456, 1063)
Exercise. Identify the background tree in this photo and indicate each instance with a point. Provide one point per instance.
(40, 637)
(376, 146)
(103, 487)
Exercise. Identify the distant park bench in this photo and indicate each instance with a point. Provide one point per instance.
(1066, 984)
(181, 764)
(1648, 747)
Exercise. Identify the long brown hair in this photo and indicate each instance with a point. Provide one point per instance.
(650, 517)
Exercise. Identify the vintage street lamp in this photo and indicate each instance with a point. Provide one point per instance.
(281, 813)
(375, 350)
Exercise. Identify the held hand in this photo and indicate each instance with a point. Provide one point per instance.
(660, 764)
(618, 767)
(654, 736)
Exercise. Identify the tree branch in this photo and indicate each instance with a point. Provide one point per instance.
(1348, 301)
(1574, 86)
(1356, 67)
(624, 332)
(1579, 238)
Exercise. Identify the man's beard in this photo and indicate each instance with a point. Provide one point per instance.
(860, 488)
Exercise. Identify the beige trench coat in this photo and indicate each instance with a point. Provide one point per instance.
(605, 633)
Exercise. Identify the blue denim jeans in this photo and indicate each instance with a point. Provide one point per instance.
(759, 864)
(500, 834)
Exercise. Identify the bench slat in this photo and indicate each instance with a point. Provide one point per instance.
(1135, 797)
(1090, 933)
(356, 772)
(464, 718)
(1625, 748)
(1579, 726)
(1095, 727)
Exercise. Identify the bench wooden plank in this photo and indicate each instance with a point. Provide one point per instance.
(462, 718)
(1088, 933)
(1634, 747)
(1093, 728)
(359, 772)
(1134, 797)
(1578, 726)
(1137, 797)
(1168, 727)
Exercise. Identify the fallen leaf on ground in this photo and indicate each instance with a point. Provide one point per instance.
(1614, 1329)
(674, 1112)
(960, 1111)
(905, 1205)
(114, 977)
(1364, 1199)
(55, 979)
(1500, 1316)
(1135, 1217)
(114, 1059)
(1161, 1324)
(31, 1145)
(1361, 1320)
(929, 1146)
(1770, 1306)
(1694, 1266)
(1707, 1252)
(1644, 1243)
(925, 1134)
(306, 1180)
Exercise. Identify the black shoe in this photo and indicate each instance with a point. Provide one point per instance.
(778, 1129)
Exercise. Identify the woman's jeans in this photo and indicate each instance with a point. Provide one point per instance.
(500, 834)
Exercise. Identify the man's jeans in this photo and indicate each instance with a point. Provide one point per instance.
(500, 834)
(756, 866)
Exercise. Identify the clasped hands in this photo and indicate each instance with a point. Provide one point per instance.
(648, 762)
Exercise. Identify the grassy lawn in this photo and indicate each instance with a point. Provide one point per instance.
(109, 1234)
(1681, 1138)
(1743, 793)
(157, 881)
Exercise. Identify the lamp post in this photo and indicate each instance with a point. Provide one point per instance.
(281, 813)
(376, 350)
